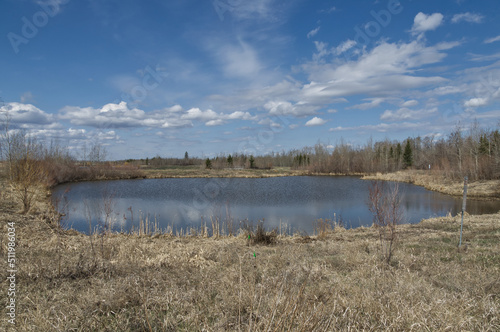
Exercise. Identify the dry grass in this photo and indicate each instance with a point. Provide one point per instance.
(198, 172)
(168, 283)
(435, 180)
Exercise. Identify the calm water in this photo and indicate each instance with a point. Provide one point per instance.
(293, 201)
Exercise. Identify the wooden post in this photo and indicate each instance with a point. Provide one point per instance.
(463, 210)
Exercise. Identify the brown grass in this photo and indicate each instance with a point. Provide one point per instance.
(168, 283)
(199, 172)
(436, 181)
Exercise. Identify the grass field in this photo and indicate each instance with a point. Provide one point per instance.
(67, 281)
(487, 189)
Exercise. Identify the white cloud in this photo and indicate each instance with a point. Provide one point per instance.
(476, 102)
(423, 22)
(467, 17)
(407, 114)
(217, 122)
(479, 57)
(322, 49)
(492, 40)
(313, 33)
(197, 114)
(27, 97)
(212, 118)
(286, 108)
(315, 122)
(388, 68)
(448, 89)
(239, 61)
(410, 103)
(383, 127)
(374, 102)
(344, 46)
(27, 116)
(122, 116)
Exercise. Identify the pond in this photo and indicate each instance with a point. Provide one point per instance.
(291, 204)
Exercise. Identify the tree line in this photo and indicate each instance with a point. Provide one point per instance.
(472, 152)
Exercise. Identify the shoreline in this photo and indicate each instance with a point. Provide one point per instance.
(477, 190)
(430, 180)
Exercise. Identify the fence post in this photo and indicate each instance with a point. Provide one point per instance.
(463, 210)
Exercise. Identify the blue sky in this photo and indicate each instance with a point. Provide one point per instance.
(154, 77)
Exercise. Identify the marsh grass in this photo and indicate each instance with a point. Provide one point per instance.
(162, 282)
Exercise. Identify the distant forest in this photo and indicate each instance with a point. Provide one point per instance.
(472, 152)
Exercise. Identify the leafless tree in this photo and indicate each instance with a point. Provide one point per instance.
(385, 205)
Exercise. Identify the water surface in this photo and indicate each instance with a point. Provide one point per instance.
(295, 201)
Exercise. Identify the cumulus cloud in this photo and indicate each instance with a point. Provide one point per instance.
(467, 17)
(27, 116)
(476, 102)
(298, 109)
(212, 118)
(423, 22)
(315, 122)
(122, 116)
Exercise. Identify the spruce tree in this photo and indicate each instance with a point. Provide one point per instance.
(408, 155)
(252, 162)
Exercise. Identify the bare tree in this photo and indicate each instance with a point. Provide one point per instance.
(26, 169)
(385, 205)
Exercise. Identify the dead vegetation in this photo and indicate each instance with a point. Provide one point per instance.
(228, 283)
(436, 181)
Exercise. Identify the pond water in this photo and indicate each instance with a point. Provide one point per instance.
(291, 204)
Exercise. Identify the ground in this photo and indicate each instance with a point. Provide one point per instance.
(487, 189)
(336, 280)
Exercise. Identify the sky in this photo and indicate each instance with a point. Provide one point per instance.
(153, 77)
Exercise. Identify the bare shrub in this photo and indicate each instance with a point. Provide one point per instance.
(385, 205)
(26, 172)
(259, 235)
(322, 227)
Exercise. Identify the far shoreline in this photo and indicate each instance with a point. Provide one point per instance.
(430, 180)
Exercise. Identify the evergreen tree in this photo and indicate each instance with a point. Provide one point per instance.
(408, 155)
(230, 161)
(186, 156)
(484, 145)
(208, 163)
(252, 162)
(399, 152)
